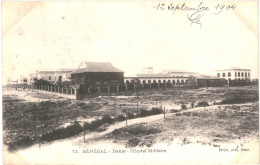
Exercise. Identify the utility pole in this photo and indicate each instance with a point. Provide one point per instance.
(84, 136)
(162, 97)
(115, 99)
(164, 112)
(137, 94)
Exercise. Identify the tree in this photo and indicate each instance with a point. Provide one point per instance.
(41, 82)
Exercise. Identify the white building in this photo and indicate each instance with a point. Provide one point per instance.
(57, 76)
(179, 73)
(234, 74)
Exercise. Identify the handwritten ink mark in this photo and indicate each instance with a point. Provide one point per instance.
(195, 18)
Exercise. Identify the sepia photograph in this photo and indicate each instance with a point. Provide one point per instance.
(130, 82)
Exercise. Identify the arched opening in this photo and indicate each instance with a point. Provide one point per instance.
(223, 74)
(149, 81)
(144, 81)
(154, 81)
(242, 74)
(187, 81)
(182, 81)
(235, 74)
(238, 74)
(218, 74)
(164, 81)
(229, 74)
(245, 74)
(173, 82)
(159, 81)
(127, 81)
(169, 81)
(178, 82)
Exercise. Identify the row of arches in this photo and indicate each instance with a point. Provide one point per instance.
(182, 81)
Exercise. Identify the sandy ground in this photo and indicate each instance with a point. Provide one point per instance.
(60, 152)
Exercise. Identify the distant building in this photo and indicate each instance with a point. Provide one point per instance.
(57, 76)
(31, 78)
(22, 80)
(234, 74)
(90, 73)
(179, 73)
(147, 70)
(209, 81)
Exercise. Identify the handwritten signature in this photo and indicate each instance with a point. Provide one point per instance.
(195, 18)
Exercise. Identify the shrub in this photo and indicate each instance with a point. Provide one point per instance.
(63, 133)
(120, 118)
(183, 106)
(21, 143)
(107, 119)
(94, 125)
(81, 104)
(202, 104)
(130, 115)
(174, 111)
(143, 113)
(239, 100)
(155, 111)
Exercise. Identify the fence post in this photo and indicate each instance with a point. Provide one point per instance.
(117, 88)
(164, 112)
(98, 88)
(108, 89)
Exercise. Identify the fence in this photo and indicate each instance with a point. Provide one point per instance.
(68, 92)
(110, 89)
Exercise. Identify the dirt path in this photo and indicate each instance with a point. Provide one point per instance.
(92, 135)
(61, 150)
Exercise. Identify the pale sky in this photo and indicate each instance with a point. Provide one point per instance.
(130, 34)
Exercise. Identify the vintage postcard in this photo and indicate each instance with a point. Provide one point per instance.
(130, 82)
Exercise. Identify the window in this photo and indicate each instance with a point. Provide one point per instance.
(229, 74)
(245, 74)
(238, 74)
(49, 77)
(218, 74)
(242, 74)
(235, 74)
(248, 74)
(223, 74)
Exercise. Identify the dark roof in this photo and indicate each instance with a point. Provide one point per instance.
(97, 67)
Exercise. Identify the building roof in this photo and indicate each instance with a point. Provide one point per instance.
(62, 70)
(154, 75)
(96, 67)
(178, 71)
(237, 69)
(206, 77)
